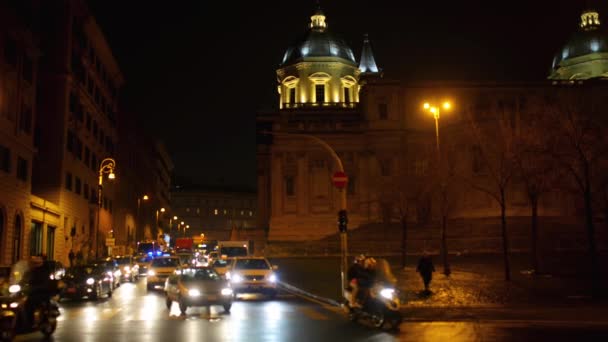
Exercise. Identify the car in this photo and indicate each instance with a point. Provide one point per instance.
(143, 262)
(91, 281)
(253, 275)
(57, 269)
(160, 269)
(112, 268)
(5, 275)
(212, 256)
(221, 266)
(198, 286)
(129, 269)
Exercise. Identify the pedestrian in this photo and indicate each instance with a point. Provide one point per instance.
(79, 258)
(71, 256)
(426, 269)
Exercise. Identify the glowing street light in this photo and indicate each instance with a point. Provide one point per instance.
(436, 111)
(106, 166)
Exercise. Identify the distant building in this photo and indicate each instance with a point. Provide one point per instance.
(76, 127)
(215, 212)
(143, 186)
(585, 55)
(19, 56)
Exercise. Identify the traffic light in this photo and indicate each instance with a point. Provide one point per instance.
(342, 221)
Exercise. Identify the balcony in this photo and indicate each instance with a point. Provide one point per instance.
(319, 105)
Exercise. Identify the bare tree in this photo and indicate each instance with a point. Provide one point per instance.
(536, 170)
(578, 129)
(495, 137)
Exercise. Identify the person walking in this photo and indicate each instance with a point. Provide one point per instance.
(426, 269)
(71, 256)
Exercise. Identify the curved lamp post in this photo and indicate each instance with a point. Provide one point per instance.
(107, 166)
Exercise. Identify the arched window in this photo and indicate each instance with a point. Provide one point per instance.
(17, 238)
(2, 232)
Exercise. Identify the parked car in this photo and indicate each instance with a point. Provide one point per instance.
(111, 267)
(129, 269)
(91, 281)
(253, 275)
(160, 269)
(198, 286)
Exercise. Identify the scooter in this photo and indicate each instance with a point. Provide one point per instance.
(380, 308)
(13, 318)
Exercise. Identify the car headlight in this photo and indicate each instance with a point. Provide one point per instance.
(228, 275)
(90, 281)
(236, 278)
(110, 273)
(226, 291)
(14, 305)
(151, 273)
(194, 293)
(127, 269)
(117, 273)
(272, 278)
(14, 288)
(387, 293)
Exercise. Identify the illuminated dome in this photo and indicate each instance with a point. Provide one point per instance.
(585, 54)
(318, 42)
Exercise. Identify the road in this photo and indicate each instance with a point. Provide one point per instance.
(133, 314)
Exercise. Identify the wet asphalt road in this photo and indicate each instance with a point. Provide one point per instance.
(133, 314)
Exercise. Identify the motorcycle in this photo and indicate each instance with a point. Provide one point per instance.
(13, 316)
(380, 308)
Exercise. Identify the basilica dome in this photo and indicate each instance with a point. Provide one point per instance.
(585, 55)
(318, 42)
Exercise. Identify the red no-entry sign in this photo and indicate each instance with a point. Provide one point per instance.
(340, 179)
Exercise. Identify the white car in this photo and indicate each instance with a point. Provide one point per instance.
(253, 275)
(160, 269)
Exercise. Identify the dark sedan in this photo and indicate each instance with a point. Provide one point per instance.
(112, 269)
(91, 281)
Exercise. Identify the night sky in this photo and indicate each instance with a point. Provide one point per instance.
(197, 71)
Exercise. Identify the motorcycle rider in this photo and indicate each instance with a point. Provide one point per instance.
(365, 281)
(38, 285)
(355, 271)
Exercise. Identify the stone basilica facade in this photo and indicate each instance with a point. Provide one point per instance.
(387, 144)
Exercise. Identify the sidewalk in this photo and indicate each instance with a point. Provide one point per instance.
(479, 282)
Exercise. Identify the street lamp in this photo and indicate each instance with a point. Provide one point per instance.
(436, 111)
(107, 166)
(139, 199)
(342, 214)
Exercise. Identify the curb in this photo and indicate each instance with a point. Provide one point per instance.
(298, 291)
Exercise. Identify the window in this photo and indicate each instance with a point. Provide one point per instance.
(50, 242)
(383, 111)
(477, 162)
(289, 186)
(5, 159)
(22, 169)
(68, 181)
(70, 142)
(292, 95)
(346, 95)
(85, 191)
(320, 93)
(10, 52)
(350, 186)
(87, 155)
(36, 238)
(88, 121)
(420, 167)
(25, 120)
(77, 185)
(28, 70)
(78, 148)
(385, 167)
(102, 137)
(94, 128)
(214, 211)
(17, 239)
(2, 232)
